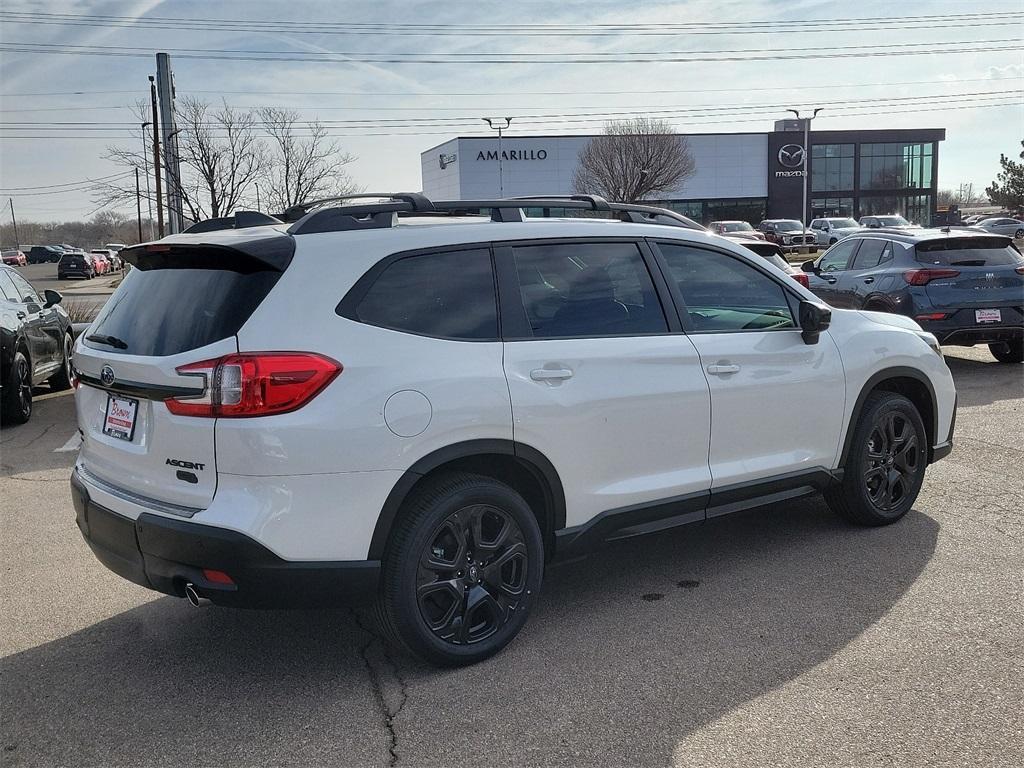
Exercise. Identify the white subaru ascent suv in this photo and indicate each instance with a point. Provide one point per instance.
(425, 403)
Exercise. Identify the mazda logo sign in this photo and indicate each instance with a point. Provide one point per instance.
(107, 375)
(791, 156)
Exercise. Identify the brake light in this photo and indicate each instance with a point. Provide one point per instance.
(925, 276)
(801, 278)
(1019, 270)
(932, 316)
(217, 577)
(256, 384)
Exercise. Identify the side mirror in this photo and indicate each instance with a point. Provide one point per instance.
(52, 297)
(808, 266)
(814, 318)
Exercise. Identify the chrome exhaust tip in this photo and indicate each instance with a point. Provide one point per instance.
(192, 596)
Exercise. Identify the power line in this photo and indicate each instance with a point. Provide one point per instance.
(83, 188)
(631, 91)
(7, 190)
(632, 57)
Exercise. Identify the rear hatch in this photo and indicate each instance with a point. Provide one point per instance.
(182, 303)
(974, 273)
(73, 262)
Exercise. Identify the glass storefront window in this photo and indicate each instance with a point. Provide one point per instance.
(916, 209)
(831, 206)
(831, 167)
(896, 166)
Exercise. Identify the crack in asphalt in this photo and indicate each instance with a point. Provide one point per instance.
(10, 440)
(388, 714)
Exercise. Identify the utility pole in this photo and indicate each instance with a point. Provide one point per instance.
(138, 202)
(156, 160)
(165, 90)
(258, 208)
(145, 172)
(14, 221)
(807, 153)
(499, 128)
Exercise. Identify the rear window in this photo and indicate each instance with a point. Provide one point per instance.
(449, 295)
(969, 252)
(177, 304)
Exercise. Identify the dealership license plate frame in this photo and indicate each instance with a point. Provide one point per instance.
(985, 316)
(121, 432)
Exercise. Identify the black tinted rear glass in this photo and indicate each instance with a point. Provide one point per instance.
(449, 295)
(173, 309)
(969, 252)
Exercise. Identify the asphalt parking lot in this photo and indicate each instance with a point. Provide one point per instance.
(779, 636)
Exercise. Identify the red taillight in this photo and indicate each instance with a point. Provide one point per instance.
(925, 276)
(1019, 270)
(931, 316)
(256, 384)
(801, 278)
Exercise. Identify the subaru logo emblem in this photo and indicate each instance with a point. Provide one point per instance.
(107, 375)
(791, 156)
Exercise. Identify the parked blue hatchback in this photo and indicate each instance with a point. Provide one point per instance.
(965, 287)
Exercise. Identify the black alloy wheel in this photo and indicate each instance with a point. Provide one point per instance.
(472, 574)
(461, 571)
(886, 462)
(1008, 351)
(17, 395)
(893, 457)
(64, 378)
(1019, 234)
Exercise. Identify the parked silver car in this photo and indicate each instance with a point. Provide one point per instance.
(830, 230)
(1000, 225)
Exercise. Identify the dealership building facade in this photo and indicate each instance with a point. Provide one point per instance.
(748, 176)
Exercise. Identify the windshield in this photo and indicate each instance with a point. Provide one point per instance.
(892, 221)
(736, 226)
(842, 223)
(969, 252)
(789, 226)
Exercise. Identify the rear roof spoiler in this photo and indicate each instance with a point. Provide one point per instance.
(244, 256)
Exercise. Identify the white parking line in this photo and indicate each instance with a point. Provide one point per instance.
(71, 445)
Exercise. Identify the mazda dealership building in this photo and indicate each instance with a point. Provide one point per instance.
(749, 176)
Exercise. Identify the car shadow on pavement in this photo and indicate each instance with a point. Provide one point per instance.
(625, 654)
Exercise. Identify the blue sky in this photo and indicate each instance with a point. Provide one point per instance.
(345, 89)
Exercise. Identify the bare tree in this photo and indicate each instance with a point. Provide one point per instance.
(633, 160)
(221, 153)
(302, 166)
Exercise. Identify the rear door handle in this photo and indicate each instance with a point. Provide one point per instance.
(869, 279)
(550, 374)
(21, 315)
(832, 280)
(722, 370)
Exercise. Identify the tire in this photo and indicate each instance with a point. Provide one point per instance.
(1008, 351)
(886, 464)
(472, 539)
(832, 242)
(1019, 234)
(62, 379)
(17, 393)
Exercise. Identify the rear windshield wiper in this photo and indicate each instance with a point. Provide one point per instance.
(111, 341)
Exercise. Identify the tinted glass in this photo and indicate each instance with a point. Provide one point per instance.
(724, 293)
(25, 291)
(171, 309)
(973, 252)
(7, 288)
(450, 295)
(872, 253)
(838, 256)
(587, 289)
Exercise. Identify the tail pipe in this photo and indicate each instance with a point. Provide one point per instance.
(192, 596)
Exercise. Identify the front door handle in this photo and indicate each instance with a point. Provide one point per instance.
(869, 279)
(832, 280)
(21, 315)
(550, 374)
(722, 370)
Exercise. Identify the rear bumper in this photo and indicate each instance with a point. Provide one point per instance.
(164, 554)
(968, 337)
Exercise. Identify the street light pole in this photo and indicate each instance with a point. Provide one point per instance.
(156, 159)
(807, 153)
(145, 172)
(499, 128)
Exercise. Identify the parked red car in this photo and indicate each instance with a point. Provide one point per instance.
(102, 260)
(13, 257)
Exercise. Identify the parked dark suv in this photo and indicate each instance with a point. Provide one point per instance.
(76, 264)
(41, 254)
(966, 288)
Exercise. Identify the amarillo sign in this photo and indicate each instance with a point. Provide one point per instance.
(513, 154)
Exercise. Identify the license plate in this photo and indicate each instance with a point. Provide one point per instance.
(120, 419)
(988, 316)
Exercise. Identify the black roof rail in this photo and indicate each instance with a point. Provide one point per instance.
(384, 213)
(240, 220)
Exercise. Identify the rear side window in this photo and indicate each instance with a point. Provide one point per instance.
(175, 305)
(968, 252)
(449, 295)
(872, 252)
(587, 289)
(7, 288)
(724, 293)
